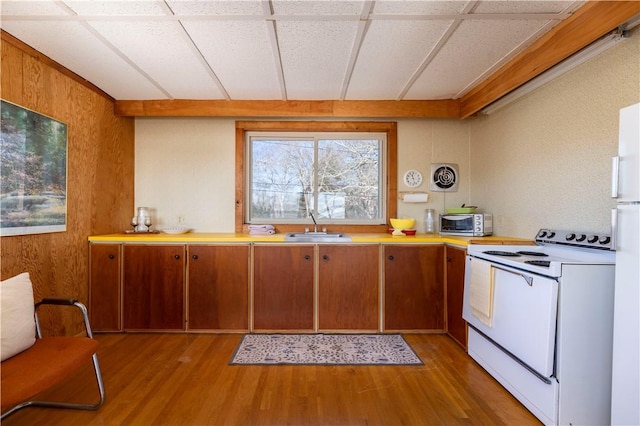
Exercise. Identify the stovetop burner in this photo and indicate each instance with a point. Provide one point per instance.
(501, 253)
(533, 253)
(552, 251)
(544, 263)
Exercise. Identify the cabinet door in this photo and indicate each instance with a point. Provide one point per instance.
(218, 287)
(456, 326)
(153, 287)
(414, 287)
(104, 287)
(283, 287)
(348, 287)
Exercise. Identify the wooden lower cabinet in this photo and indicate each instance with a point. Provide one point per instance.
(414, 287)
(283, 287)
(296, 287)
(104, 287)
(153, 287)
(218, 287)
(348, 288)
(456, 325)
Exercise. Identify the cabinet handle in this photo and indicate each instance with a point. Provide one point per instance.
(307, 257)
(391, 257)
(325, 257)
(176, 257)
(194, 257)
(111, 256)
(448, 259)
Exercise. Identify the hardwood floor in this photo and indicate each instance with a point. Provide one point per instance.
(185, 379)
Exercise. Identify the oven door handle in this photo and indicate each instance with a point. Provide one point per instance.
(531, 370)
(527, 278)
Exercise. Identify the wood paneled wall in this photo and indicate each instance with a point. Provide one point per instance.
(100, 176)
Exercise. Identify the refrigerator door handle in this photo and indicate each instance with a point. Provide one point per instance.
(615, 176)
(614, 229)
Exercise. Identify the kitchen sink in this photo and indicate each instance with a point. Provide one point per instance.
(317, 237)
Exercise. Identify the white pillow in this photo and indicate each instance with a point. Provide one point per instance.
(17, 326)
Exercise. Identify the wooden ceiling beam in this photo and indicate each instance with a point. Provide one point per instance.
(592, 21)
(273, 108)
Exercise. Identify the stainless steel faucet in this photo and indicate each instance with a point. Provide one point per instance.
(315, 226)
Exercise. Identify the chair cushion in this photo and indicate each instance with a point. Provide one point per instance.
(17, 325)
(45, 364)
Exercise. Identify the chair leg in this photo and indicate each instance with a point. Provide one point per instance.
(52, 404)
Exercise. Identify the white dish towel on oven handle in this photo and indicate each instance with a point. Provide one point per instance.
(481, 291)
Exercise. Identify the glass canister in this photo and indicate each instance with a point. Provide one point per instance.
(429, 221)
(143, 218)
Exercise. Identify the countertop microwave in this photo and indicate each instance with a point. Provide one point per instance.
(468, 224)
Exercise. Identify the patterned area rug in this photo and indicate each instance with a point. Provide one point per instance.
(325, 349)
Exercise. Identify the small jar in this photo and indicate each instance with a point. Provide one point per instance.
(429, 221)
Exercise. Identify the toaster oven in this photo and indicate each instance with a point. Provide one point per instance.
(467, 224)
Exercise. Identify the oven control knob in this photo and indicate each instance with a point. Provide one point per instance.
(542, 234)
(570, 237)
(592, 239)
(581, 237)
(551, 234)
(605, 240)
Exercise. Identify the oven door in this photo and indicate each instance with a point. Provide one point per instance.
(523, 317)
(456, 224)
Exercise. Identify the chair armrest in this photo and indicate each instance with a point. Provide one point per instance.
(56, 301)
(64, 302)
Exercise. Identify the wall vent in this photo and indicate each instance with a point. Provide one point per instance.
(444, 177)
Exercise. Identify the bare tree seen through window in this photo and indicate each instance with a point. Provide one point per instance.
(290, 176)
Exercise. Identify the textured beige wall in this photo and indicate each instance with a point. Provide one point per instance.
(185, 168)
(422, 142)
(544, 161)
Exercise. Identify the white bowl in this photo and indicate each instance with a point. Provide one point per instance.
(176, 230)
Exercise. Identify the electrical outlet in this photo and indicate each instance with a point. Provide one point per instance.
(180, 219)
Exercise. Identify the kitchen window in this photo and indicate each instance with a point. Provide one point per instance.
(338, 171)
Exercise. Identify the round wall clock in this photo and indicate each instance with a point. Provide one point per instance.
(412, 178)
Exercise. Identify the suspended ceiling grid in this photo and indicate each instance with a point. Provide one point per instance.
(282, 49)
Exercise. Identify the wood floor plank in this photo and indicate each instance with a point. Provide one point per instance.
(186, 379)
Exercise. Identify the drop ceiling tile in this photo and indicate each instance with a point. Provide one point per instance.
(401, 7)
(241, 56)
(392, 51)
(475, 47)
(162, 50)
(216, 7)
(315, 56)
(317, 7)
(89, 58)
(31, 8)
(116, 7)
(522, 6)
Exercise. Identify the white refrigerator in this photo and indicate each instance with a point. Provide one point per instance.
(625, 392)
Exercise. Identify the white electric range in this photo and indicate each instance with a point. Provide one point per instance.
(540, 321)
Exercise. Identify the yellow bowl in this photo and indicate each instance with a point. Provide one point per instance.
(403, 223)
